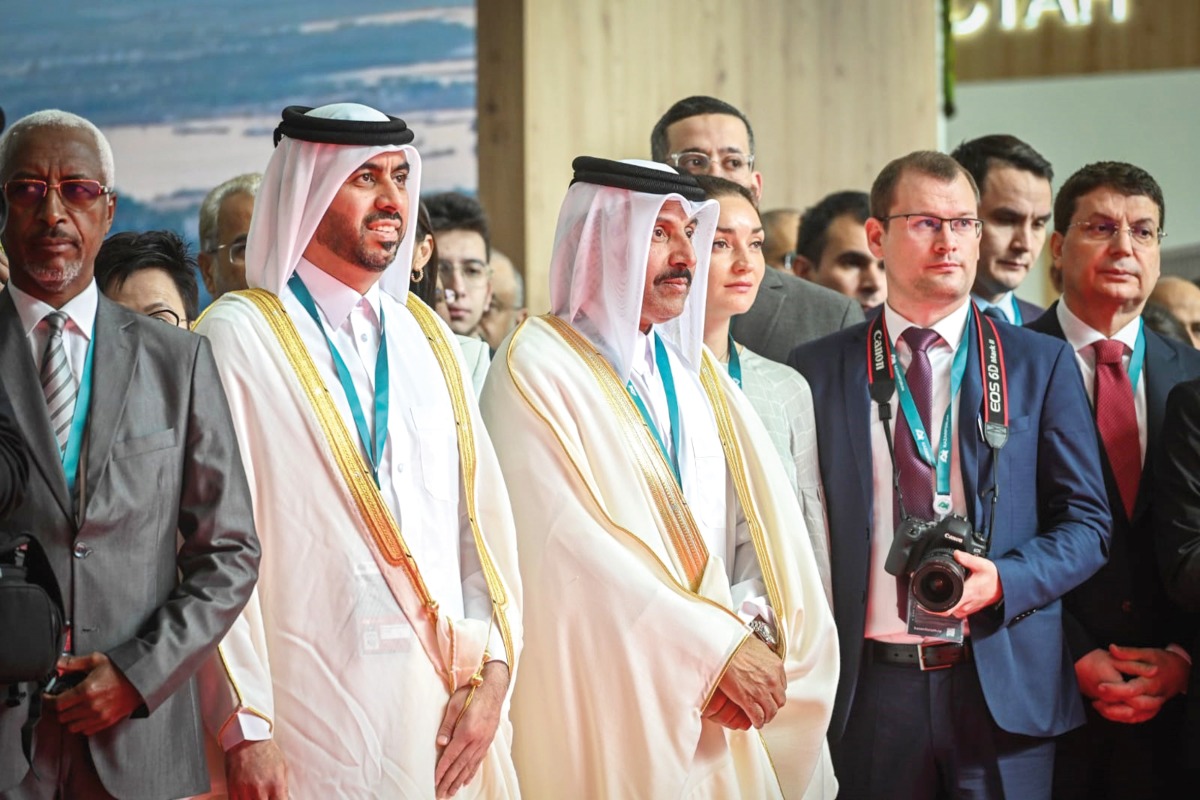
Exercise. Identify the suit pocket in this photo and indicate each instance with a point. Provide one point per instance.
(439, 454)
(139, 445)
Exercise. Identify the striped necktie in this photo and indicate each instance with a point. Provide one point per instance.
(58, 382)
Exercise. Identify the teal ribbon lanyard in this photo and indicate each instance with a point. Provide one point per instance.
(735, 363)
(1138, 359)
(668, 381)
(83, 401)
(1018, 320)
(372, 447)
(940, 464)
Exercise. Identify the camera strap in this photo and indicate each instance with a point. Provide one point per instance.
(885, 376)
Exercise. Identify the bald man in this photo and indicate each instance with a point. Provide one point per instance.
(1182, 298)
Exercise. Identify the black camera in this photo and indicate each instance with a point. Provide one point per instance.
(925, 551)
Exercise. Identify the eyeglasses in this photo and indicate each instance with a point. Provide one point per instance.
(696, 162)
(237, 251)
(1143, 234)
(925, 226)
(473, 273)
(76, 192)
(444, 296)
(165, 315)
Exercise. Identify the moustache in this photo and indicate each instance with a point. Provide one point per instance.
(674, 274)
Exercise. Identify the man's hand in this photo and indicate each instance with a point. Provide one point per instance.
(101, 700)
(754, 681)
(255, 770)
(724, 712)
(981, 588)
(1150, 676)
(468, 729)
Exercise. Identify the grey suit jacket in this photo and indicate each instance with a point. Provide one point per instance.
(165, 555)
(790, 311)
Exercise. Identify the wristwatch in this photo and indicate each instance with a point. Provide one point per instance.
(763, 631)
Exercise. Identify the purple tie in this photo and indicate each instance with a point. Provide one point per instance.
(916, 477)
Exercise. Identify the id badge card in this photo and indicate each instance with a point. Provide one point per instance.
(925, 623)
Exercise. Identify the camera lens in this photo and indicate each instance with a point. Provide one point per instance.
(937, 582)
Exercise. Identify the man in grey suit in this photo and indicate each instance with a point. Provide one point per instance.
(706, 136)
(136, 489)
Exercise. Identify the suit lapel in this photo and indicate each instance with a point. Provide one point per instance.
(115, 359)
(29, 404)
(774, 299)
(970, 400)
(1160, 372)
(860, 411)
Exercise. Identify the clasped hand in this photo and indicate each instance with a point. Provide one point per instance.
(102, 699)
(467, 729)
(751, 691)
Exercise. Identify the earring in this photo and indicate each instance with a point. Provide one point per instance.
(418, 274)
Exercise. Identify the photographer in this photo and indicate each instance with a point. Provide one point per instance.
(1003, 499)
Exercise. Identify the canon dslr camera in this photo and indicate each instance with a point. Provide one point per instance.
(925, 551)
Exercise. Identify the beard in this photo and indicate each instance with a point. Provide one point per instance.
(350, 242)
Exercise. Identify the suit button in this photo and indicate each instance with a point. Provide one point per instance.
(82, 550)
(1127, 606)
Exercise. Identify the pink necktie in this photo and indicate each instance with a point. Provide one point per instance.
(1116, 420)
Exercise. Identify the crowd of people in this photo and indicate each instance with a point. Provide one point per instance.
(770, 504)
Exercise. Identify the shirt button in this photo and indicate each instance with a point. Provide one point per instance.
(362, 338)
(82, 550)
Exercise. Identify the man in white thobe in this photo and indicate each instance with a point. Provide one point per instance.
(674, 601)
(375, 660)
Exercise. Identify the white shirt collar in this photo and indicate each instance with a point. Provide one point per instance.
(335, 299)
(643, 353)
(950, 327)
(80, 309)
(1081, 336)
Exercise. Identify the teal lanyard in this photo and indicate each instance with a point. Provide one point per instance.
(83, 400)
(1138, 358)
(735, 363)
(668, 381)
(941, 464)
(374, 451)
(1018, 320)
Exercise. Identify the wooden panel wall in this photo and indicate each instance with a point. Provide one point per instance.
(834, 89)
(1157, 34)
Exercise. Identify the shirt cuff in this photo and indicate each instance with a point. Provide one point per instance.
(244, 727)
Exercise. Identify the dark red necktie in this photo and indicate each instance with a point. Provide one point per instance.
(916, 476)
(1116, 419)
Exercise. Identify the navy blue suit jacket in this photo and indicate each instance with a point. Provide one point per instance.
(1125, 602)
(1049, 535)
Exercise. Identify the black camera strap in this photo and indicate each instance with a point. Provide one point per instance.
(881, 379)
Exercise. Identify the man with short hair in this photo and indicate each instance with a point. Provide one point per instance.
(704, 135)
(375, 657)
(507, 309)
(1014, 204)
(832, 250)
(779, 236)
(1182, 298)
(1126, 637)
(224, 224)
(464, 250)
(137, 493)
(955, 673)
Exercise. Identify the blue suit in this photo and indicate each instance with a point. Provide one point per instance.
(1126, 603)
(1050, 532)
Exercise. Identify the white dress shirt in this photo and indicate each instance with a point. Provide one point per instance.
(81, 319)
(883, 620)
(1081, 337)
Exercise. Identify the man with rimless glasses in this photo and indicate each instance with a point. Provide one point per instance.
(948, 425)
(137, 492)
(706, 136)
(1126, 637)
(224, 226)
